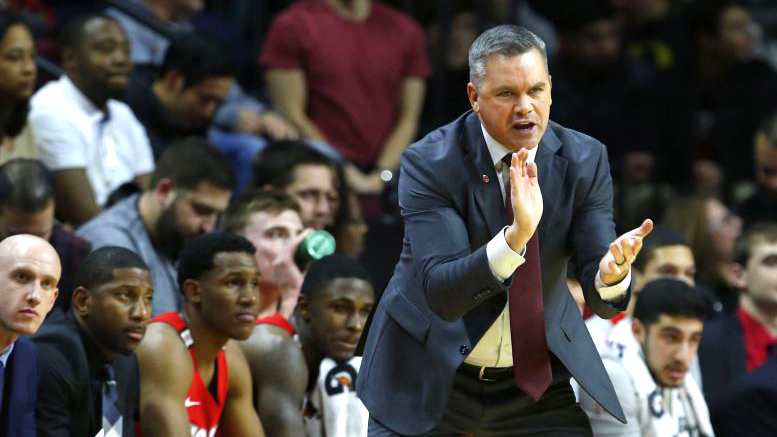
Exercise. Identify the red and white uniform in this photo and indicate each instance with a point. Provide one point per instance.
(278, 320)
(204, 411)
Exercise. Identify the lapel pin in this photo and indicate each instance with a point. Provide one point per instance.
(486, 179)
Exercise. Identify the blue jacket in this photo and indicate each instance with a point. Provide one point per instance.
(21, 387)
(443, 297)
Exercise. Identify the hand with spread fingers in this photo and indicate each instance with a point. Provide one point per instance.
(617, 261)
(526, 198)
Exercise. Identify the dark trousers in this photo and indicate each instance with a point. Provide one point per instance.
(499, 408)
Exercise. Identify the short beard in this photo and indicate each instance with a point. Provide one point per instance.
(168, 239)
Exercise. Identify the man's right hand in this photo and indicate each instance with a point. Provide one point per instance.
(526, 200)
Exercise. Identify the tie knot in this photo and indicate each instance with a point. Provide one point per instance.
(109, 373)
(508, 159)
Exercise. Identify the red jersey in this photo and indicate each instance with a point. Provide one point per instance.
(204, 411)
(278, 320)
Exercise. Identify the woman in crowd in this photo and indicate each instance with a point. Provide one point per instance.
(18, 73)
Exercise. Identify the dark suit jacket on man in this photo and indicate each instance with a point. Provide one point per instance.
(70, 393)
(722, 356)
(749, 406)
(443, 296)
(17, 418)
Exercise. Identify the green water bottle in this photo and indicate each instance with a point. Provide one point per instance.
(315, 246)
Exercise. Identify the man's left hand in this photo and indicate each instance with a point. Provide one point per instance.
(617, 261)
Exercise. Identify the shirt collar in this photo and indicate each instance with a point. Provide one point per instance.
(498, 151)
(80, 100)
(7, 353)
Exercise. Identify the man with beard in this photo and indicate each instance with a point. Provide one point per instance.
(194, 79)
(91, 142)
(648, 361)
(89, 374)
(317, 369)
(190, 187)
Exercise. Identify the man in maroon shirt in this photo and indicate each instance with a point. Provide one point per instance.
(737, 344)
(350, 74)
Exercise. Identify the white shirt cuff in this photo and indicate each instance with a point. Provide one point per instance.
(501, 258)
(615, 291)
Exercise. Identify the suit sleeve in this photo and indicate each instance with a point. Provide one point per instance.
(450, 271)
(592, 232)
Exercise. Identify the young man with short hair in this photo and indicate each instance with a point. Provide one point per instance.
(89, 373)
(316, 369)
(739, 343)
(270, 220)
(648, 360)
(303, 173)
(194, 381)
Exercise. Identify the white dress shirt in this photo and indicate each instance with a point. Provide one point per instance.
(70, 132)
(495, 347)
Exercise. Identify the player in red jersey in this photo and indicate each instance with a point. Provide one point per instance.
(194, 381)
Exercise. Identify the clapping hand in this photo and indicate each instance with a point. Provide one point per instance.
(526, 199)
(617, 261)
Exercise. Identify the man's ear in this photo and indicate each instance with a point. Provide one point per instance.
(81, 301)
(303, 308)
(638, 330)
(164, 191)
(737, 275)
(472, 93)
(174, 82)
(192, 290)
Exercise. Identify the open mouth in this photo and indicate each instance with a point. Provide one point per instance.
(524, 126)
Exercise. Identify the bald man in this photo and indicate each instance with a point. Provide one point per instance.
(29, 273)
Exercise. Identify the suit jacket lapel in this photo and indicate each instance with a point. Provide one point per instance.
(551, 169)
(488, 195)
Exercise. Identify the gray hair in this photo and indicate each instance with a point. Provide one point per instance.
(507, 40)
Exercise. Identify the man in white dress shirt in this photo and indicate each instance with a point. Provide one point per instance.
(92, 143)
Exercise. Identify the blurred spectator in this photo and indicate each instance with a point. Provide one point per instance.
(711, 229)
(190, 187)
(762, 206)
(321, 374)
(240, 119)
(18, 73)
(350, 74)
(305, 174)
(349, 228)
(27, 207)
(270, 220)
(91, 142)
(741, 342)
(648, 361)
(594, 87)
(89, 373)
(29, 271)
(714, 106)
(664, 254)
(193, 81)
(655, 35)
(749, 408)
(147, 46)
(193, 380)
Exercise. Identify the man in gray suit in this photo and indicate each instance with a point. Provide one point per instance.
(448, 353)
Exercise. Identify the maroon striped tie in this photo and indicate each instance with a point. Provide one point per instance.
(527, 322)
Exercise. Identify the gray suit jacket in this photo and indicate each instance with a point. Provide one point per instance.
(443, 297)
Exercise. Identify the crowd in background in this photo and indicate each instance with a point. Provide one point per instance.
(147, 123)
